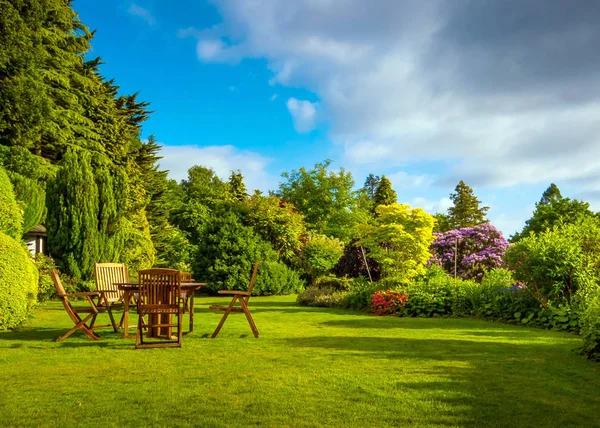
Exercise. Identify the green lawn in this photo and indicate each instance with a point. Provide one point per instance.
(310, 367)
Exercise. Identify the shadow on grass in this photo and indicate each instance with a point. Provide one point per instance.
(475, 383)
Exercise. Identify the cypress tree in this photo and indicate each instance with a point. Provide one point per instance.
(236, 186)
(385, 195)
(466, 211)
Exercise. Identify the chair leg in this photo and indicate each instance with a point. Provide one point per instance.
(81, 326)
(225, 315)
(249, 318)
(112, 318)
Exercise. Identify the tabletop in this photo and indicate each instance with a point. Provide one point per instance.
(127, 286)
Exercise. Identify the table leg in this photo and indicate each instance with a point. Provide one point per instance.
(127, 298)
(192, 311)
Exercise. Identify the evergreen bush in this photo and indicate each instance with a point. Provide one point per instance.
(11, 216)
(18, 283)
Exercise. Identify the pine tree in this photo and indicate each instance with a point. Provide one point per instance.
(371, 184)
(466, 211)
(236, 186)
(385, 195)
(551, 194)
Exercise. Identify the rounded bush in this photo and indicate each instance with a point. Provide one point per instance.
(18, 283)
(277, 278)
(11, 216)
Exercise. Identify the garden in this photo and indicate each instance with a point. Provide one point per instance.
(371, 312)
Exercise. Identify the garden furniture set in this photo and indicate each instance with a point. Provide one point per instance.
(161, 298)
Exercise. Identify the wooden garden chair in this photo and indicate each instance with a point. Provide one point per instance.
(238, 296)
(92, 310)
(159, 299)
(108, 275)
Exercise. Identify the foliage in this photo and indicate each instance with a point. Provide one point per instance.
(385, 195)
(204, 186)
(227, 253)
(465, 211)
(361, 294)
(32, 197)
(352, 263)
(277, 222)
(276, 278)
(371, 185)
(399, 241)
(442, 223)
(85, 215)
(326, 199)
(46, 288)
(555, 263)
(477, 249)
(18, 283)
(554, 210)
(334, 282)
(236, 188)
(325, 297)
(11, 217)
(590, 326)
(389, 302)
(320, 255)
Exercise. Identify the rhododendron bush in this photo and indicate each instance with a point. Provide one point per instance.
(388, 302)
(479, 249)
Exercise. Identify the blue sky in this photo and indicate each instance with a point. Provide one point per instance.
(427, 94)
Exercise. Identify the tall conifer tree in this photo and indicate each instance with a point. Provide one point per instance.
(466, 211)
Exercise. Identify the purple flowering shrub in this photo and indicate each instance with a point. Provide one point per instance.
(480, 249)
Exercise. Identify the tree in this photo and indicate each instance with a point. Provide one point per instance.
(326, 198)
(11, 217)
(466, 211)
(442, 223)
(399, 241)
(385, 195)
(371, 184)
(553, 209)
(236, 187)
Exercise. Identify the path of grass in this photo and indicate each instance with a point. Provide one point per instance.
(310, 367)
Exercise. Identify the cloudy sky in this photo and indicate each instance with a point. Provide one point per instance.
(502, 94)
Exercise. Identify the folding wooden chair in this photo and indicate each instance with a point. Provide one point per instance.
(242, 297)
(108, 275)
(80, 323)
(159, 298)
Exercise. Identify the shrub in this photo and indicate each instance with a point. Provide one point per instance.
(46, 288)
(277, 278)
(389, 302)
(332, 281)
(361, 294)
(11, 217)
(352, 263)
(590, 326)
(321, 254)
(553, 263)
(479, 249)
(322, 297)
(18, 283)
(227, 253)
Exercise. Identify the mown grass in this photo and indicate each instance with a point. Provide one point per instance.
(310, 367)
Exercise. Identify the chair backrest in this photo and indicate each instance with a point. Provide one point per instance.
(186, 277)
(60, 290)
(159, 287)
(252, 279)
(107, 276)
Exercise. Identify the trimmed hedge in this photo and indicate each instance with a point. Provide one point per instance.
(18, 283)
(11, 216)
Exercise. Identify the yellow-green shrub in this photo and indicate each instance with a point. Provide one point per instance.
(18, 283)
(11, 217)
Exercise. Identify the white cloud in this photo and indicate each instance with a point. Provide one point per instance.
(402, 180)
(497, 101)
(433, 207)
(143, 13)
(222, 159)
(273, 97)
(303, 113)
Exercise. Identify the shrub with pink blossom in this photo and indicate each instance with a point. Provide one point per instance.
(480, 248)
(389, 302)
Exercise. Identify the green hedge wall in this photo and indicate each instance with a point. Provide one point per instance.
(18, 283)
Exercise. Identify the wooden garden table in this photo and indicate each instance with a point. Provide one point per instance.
(131, 288)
